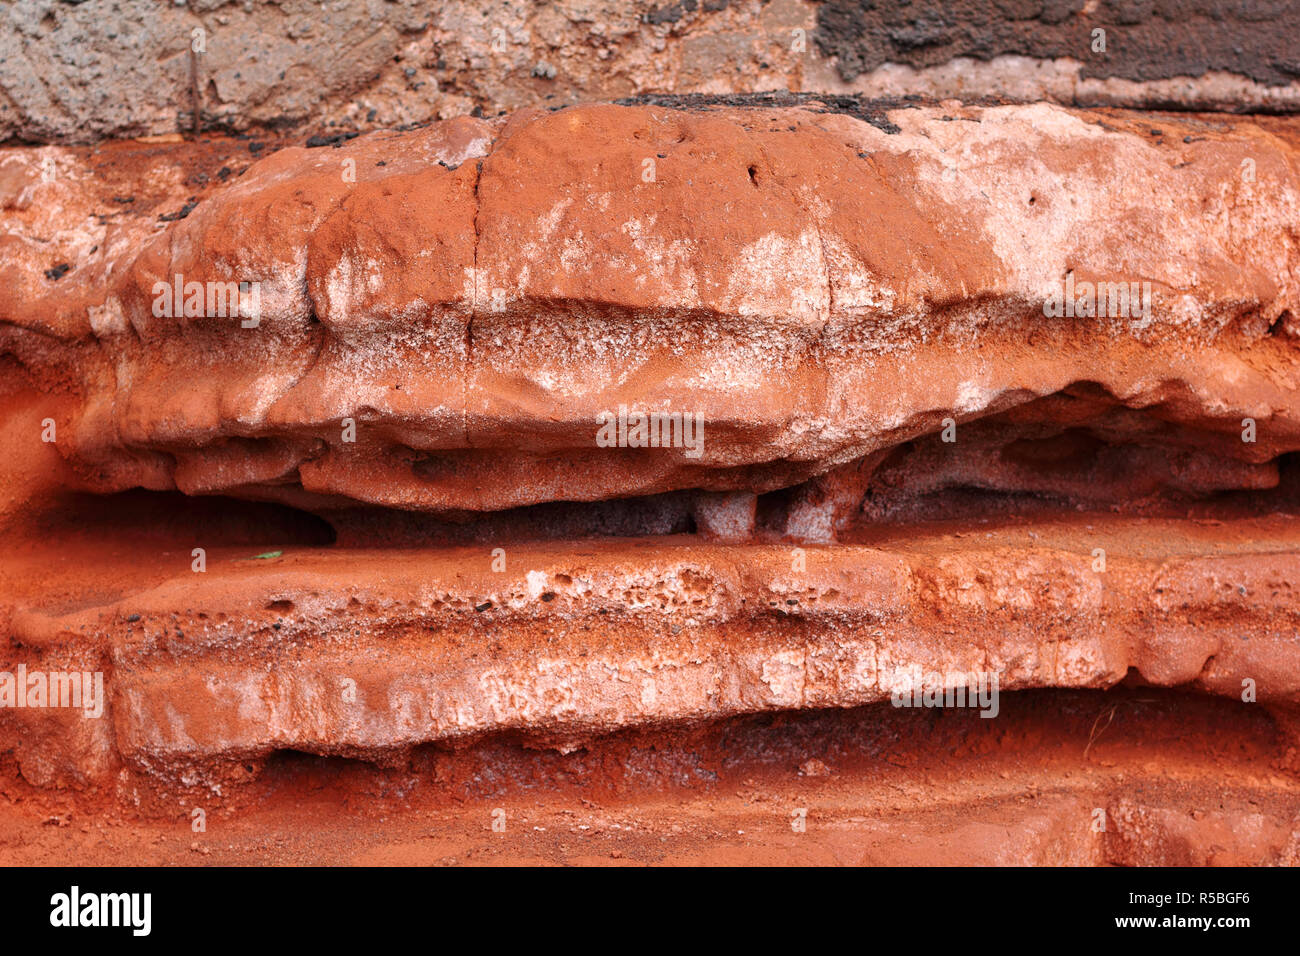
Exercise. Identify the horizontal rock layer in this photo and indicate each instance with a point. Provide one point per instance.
(446, 316)
(1130, 777)
(82, 73)
(368, 653)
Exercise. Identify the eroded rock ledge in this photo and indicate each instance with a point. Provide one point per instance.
(368, 653)
(445, 314)
(913, 455)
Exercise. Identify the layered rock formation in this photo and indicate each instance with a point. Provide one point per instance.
(476, 296)
(600, 429)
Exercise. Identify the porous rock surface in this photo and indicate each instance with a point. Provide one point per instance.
(102, 69)
(910, 464)
(485, 291)
(375, 653)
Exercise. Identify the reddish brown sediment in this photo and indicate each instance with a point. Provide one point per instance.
(376, 651)
(417, 561)
(477, 301)
(1137, 777)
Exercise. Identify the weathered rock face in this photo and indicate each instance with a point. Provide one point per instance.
(597, 431)
(377, 655)
(82, 72)
(1138, 41)
(463, 318)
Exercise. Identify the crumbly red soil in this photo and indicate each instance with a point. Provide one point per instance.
(1183, 780)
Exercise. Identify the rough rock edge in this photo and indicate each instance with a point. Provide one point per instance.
(834, 323)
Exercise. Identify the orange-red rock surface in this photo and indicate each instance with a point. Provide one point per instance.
(814, 286)
(374, 519)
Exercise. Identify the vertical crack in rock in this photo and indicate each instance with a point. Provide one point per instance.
(474, 297)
